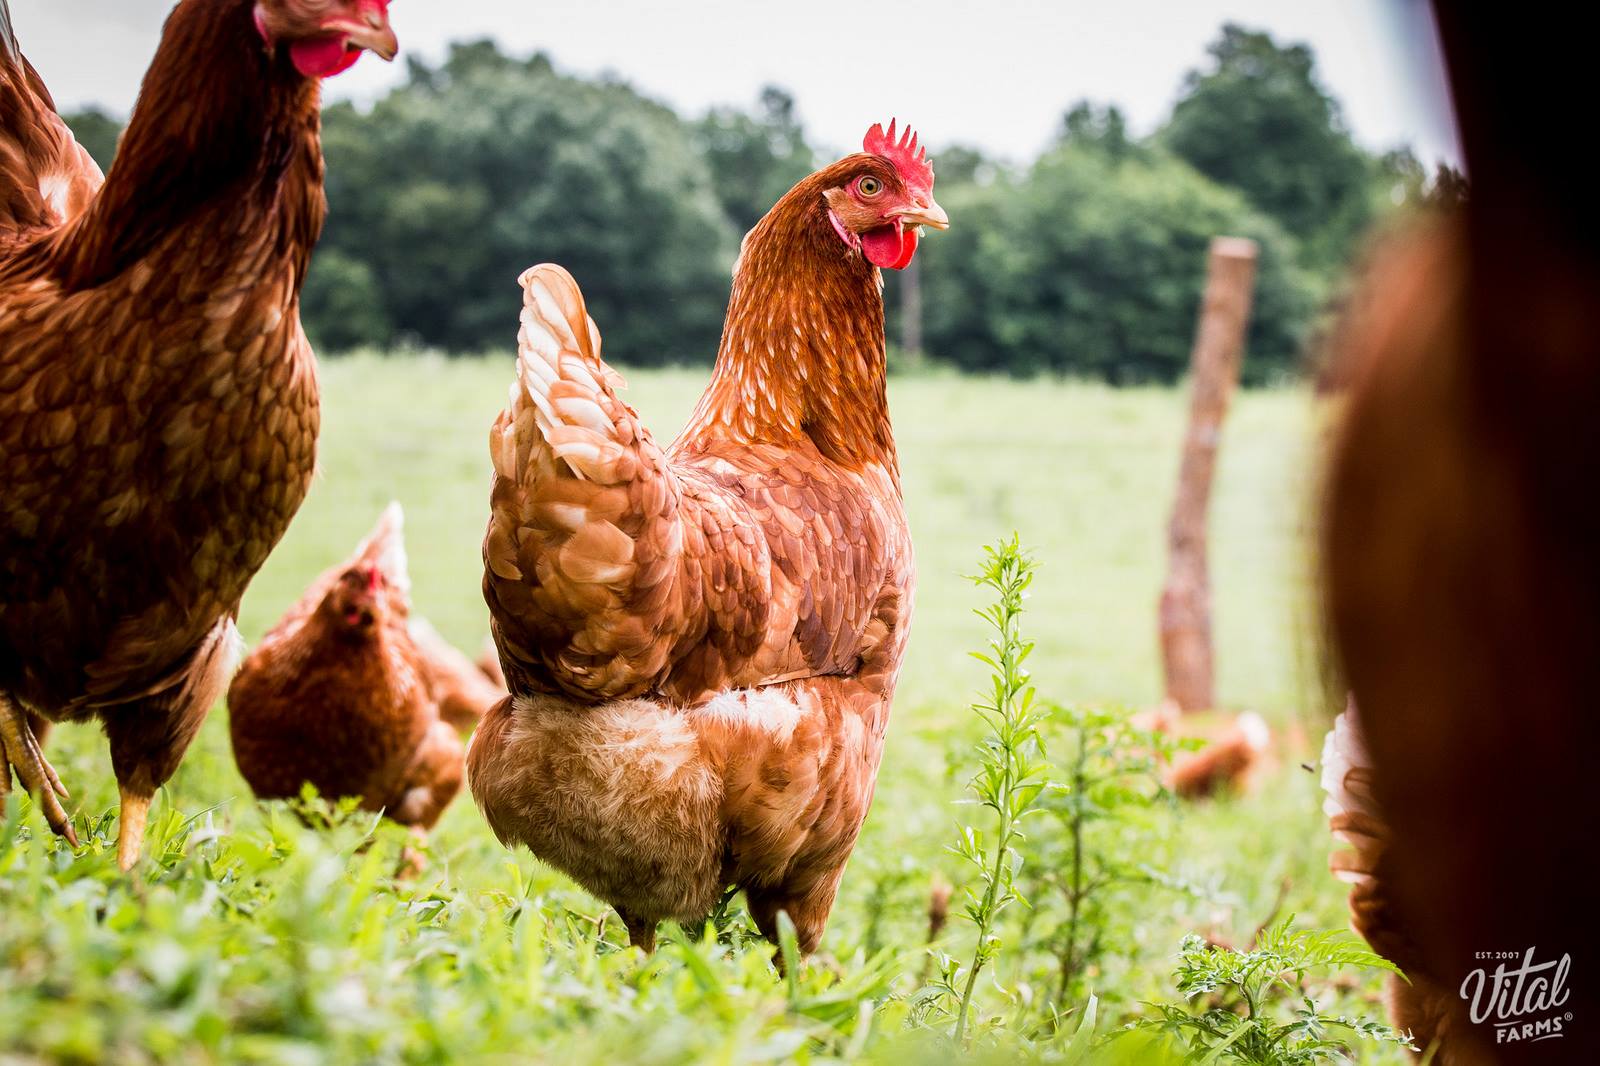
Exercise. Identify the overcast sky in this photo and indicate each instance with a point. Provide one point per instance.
(996, 73)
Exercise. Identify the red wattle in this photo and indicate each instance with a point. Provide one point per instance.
(890, 247)
(908, 248)
(883, 246)
(323, 57)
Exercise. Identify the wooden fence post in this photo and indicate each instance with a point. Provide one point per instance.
(1186, 649)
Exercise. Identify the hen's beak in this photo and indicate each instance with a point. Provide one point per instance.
(370, 30)
(928, 214)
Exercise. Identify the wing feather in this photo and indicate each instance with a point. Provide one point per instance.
(614, 569)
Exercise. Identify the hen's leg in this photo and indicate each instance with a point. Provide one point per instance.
(412, 858)
(641, 931)
(20, 751)
(431, 782)
(808, 905)
(148, 737)
(134, 815)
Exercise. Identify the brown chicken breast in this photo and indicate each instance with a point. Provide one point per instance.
(703, 641)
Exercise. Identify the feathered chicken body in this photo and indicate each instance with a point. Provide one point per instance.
(1417, 1002)
(158, 399)
(340, 695)
(464, 691)
(703, 640)
(1237, 749)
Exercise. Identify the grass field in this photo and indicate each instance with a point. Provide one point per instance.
(251, 938)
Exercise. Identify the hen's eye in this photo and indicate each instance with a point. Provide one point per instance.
(870, 186)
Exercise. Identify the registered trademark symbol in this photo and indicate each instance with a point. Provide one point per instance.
(1569, 1015)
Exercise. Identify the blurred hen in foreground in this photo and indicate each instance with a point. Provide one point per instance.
(703, 640)
(1462, 573)
(158, 399)
(343, 695)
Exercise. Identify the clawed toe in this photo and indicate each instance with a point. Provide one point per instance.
(20, 751)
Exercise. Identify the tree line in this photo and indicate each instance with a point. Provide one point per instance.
(1087, 261)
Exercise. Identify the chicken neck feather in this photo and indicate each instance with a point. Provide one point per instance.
(802, 353)
(220, 123)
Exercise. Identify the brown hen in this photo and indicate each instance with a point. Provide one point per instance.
(1236, 751)
(341, 696)
(702, 641)
(158, 400)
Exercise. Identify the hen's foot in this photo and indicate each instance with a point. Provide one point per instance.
(20, 752)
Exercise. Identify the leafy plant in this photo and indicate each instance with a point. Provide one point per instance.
(1246, 1015)
(1011, 769)
(1102, 830)
(252, 935)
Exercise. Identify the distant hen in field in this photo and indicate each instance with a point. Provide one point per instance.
(341, 694)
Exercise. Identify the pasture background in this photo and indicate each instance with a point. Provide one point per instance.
(251, 938)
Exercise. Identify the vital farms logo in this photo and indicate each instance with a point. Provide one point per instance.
(1523, 1003)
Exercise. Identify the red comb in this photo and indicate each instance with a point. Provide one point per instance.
(910, 160)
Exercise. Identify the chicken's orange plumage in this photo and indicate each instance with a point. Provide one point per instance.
(158, 400)
(702, 641)
(1236, 751)
(343, 696)
(1418, 1002)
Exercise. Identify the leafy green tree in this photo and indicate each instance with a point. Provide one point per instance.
(1260, 121)
(1401, 178)
(961, 164)
(1105, 128)
(754, 158)
(1088, 262)
(343, 298)
(964, 278)
(474, 170)
(97, 132)
(1092, 265)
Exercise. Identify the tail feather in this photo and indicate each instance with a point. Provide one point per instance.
(385, 548)
(564, 391)
(8, 36)
(46, 177)
(565, 441)
(583, 512)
